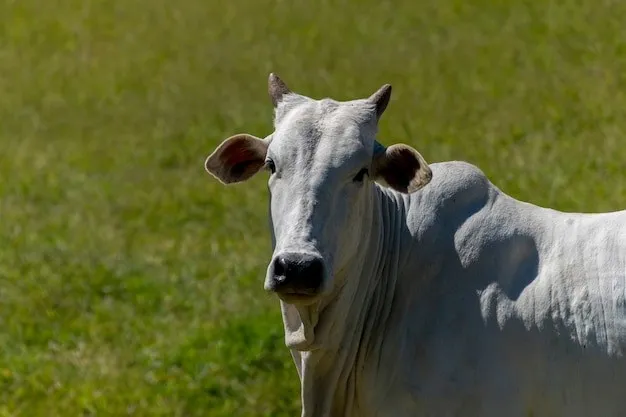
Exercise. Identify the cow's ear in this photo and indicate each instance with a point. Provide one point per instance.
(400, 167)
(237, 158)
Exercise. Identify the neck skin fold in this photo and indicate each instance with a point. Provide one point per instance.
(330, 340)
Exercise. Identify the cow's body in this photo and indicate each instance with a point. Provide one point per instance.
(454, 300)
(482, 305)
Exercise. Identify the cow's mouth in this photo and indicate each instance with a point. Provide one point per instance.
(298, 298)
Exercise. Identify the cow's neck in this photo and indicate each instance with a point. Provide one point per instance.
(344, 326)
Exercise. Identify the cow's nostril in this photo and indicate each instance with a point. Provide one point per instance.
(311, 273)
(280, 267)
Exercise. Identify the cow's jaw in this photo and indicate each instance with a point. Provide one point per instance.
(300, 322)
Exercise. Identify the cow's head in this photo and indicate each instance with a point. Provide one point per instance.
(322, 158)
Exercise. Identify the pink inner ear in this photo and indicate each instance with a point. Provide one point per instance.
(399, 168)
(239, 159)
(241, 150)
(238, 153)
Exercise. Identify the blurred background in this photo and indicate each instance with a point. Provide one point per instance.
(131, 281)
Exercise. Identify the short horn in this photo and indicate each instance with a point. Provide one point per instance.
(380, 99)
(277, 89)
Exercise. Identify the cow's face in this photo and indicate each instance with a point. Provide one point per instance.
(321, 160)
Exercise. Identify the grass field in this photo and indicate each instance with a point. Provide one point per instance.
(131, 281)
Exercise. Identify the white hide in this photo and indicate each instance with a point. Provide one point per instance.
(455, 300)
(468, 302)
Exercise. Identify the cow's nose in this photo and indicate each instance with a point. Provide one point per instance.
(297, 273)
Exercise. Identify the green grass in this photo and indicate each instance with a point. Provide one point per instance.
(131, 281)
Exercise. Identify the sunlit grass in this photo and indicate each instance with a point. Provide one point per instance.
(131, 281)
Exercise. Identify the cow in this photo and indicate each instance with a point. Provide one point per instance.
(412, 289)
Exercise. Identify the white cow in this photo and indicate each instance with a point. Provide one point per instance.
(408, 290)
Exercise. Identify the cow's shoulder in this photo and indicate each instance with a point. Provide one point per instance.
(457, 192)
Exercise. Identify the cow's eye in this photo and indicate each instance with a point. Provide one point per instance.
(359, 177)
(269, 164)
